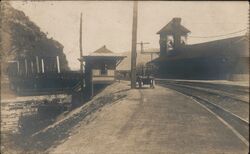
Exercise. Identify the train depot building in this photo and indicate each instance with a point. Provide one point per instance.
(225, 59)
(100, 68)
(102, 65)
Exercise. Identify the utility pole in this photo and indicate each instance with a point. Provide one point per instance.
(142, 43)
(142, 51)
(134, 40)
(81, 62)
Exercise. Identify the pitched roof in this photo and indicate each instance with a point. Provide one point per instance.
(172, 26)
(235, 46)
(103, 52)
(103, 49)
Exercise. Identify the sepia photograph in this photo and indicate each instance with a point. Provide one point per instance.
(124, 77)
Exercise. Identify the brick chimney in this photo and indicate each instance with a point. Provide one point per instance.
(176, 21)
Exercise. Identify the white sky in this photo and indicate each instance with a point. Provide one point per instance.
(110, 23)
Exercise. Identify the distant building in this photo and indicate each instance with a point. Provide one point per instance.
(33, 63)
(226, 59)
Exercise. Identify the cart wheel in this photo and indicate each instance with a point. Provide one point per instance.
(140, 84)
(18, 90)
(152, 85)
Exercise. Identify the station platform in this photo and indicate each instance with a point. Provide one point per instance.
(149, 121)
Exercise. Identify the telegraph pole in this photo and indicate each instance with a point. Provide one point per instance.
(142, 43)
(134, 40)
(142, 51)
(81, 62)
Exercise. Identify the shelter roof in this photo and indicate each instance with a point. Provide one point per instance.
(103, 52)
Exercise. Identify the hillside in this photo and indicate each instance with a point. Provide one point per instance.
(21, 37)
(141, 58)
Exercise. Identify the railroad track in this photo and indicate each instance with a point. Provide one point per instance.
(235, 89)
(231, 111)
(239, 98)
(230, 102)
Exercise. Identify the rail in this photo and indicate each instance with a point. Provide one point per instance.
(234, 120)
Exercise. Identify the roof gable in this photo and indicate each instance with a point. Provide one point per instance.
(103, 50)
(103, 53)
(173, 26)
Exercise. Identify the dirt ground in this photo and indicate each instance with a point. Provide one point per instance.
(151, 121)
(121, 120)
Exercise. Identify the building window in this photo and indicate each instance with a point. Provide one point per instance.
(104, 70)
(183, 40)
(170, 42)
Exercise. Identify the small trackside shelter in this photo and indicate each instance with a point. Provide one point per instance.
(100, 65)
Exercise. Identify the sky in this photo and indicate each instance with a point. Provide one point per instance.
(110, 23)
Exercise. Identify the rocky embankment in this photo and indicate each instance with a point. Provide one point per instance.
(23, 116)
(21, 37)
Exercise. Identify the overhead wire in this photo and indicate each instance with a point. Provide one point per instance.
(220, 35)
